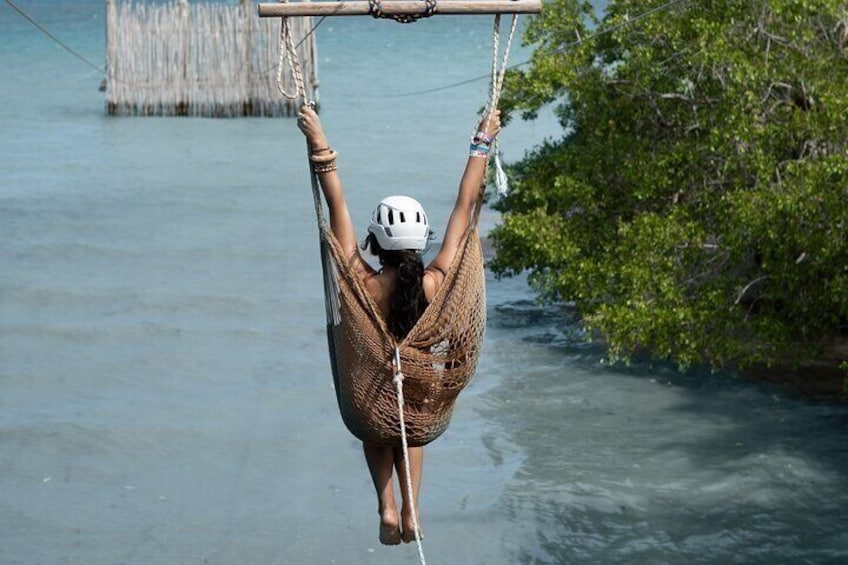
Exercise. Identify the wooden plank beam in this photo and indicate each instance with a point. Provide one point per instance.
(398, 8)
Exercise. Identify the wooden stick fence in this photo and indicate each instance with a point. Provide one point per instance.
(209, 60)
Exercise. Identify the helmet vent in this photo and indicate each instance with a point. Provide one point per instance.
(391, 217)
(402, 218)
(418, 217)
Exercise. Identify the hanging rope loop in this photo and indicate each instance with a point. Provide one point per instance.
(288, 57)
(375, 8)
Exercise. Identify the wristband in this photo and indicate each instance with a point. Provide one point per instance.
(478, 150)
(323, 158)
(481, 136)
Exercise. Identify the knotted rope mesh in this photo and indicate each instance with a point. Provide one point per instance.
(439, 355)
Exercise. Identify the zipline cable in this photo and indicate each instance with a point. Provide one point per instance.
(61, 43)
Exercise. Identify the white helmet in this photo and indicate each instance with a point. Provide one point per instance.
(399, 222)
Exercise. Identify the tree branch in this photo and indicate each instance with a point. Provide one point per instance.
(748, 287)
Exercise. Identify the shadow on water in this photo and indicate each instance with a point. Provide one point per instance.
(646, 464)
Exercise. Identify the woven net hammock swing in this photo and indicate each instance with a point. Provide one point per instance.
(436, 359)
(402, 392)
(389, 391)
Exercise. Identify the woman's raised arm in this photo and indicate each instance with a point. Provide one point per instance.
(324, 163)
(470, 186)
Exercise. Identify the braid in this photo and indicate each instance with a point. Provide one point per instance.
(407, 301)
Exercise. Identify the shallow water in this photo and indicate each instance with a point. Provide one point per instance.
(166, 396)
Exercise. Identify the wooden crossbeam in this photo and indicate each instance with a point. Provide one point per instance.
(399, 8)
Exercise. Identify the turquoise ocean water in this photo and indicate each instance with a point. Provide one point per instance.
(165, 395)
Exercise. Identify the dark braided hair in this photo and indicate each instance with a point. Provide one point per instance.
(407, 301)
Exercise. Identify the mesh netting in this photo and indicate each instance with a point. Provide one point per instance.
(438, 356)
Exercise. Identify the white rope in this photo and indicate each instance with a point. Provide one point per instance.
(501, 181)
(493, 83)
(398, 380)
(494, 97)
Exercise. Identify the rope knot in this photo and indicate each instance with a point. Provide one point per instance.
(397, 377)
(376, 11)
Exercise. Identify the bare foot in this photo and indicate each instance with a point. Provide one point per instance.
(389, 528)
(409, 529)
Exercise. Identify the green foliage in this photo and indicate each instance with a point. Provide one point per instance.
(697, 205)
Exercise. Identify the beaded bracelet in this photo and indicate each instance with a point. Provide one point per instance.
(328, 167)
(324, 163)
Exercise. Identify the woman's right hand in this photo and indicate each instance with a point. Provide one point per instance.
(491, 127)
(310, 125)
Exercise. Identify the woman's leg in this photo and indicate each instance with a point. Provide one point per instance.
(380, 462)
(416, 463)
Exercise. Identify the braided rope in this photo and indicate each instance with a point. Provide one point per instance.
(497, 81)
(496, 91)
(288, 53)
(493, 84)
(398, 380)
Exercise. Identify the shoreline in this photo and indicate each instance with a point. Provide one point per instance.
(822, 379)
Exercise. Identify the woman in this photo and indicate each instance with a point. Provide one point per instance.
(402, 288)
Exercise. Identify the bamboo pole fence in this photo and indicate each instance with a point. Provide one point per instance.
(201, 60)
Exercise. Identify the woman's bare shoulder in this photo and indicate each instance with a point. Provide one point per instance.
(379, 286)
(373, 284)
(360, 266)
